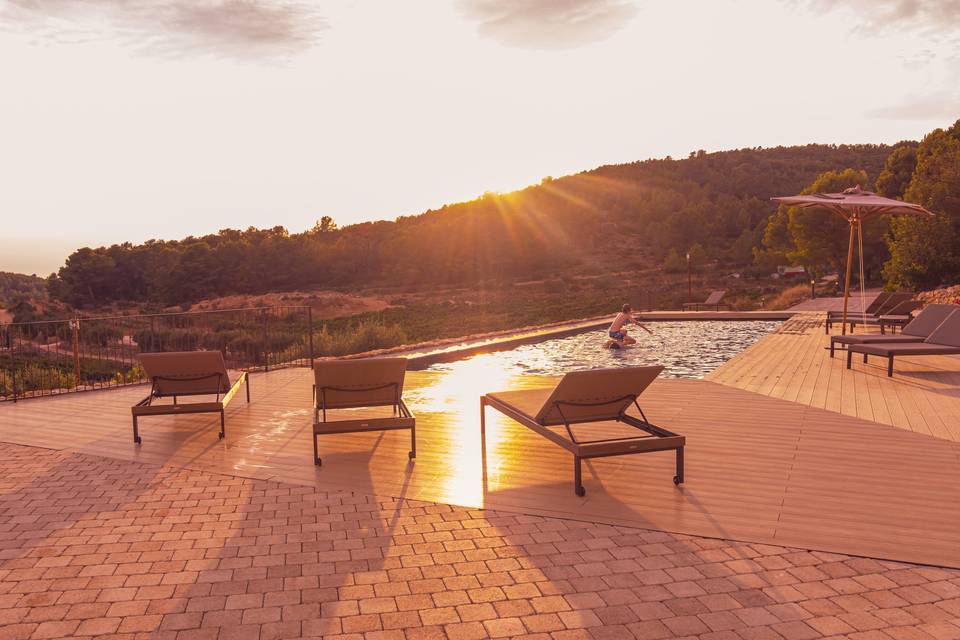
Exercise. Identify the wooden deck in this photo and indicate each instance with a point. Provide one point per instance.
(795, 365)
(759, 468)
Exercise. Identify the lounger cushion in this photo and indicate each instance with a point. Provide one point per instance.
(715, 297)
(598, 394)
(365, 382)
(886, 304)
(186, 372)
(928, 320)
(906, 349)
(948, 331)
(525, 401)
(616, 389)
(875, 338)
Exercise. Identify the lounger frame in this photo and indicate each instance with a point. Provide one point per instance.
(937, 350)
(402, 417)
(886, 306)
(146, 407)
(866, 358)
(696, 306)
(658, 438)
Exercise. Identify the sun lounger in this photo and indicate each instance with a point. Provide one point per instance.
(356, 393)
(186, 373)
(589, 399)
(942, 341)
(872, 309)
(899, 315)
(889, 302)
(916, 330)
(713, 300)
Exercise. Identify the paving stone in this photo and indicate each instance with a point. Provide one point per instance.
(95, 547)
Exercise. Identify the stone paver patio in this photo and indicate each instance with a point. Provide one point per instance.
(93, 546)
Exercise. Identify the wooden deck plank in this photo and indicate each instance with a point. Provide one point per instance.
(923, 395)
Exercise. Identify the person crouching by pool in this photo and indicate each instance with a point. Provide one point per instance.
(617, 331)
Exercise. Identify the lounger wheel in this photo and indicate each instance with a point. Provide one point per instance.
(677, 480)
(581, 491)
(220, 435)
(138, 440)
(411, 454)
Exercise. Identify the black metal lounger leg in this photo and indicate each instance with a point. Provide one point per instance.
(316, 453)
(246, 383)
(413, 443)
(890, 366)
(832, 345)
(223, 425)
(136, 431)
(577, 478)
(678, 479)
(849, 358)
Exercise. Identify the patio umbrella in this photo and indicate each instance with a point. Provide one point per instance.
(853, 205)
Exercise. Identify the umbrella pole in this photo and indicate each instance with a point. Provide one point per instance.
(846, 281)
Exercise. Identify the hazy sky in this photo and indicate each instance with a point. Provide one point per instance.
(135, 119)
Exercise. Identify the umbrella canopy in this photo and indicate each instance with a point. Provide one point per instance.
(853, 205)
(853, 202)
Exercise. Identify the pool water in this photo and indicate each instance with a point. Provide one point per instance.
(688, 349)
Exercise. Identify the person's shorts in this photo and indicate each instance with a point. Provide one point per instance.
(618, 335)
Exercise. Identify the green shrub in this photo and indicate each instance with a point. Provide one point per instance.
(366, 335)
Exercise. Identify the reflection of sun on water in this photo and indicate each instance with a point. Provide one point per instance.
(456, 395)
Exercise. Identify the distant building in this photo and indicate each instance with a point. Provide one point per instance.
(789, 273)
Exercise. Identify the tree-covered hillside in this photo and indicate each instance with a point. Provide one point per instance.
(905, 252)
(591, 221)
(17, 286)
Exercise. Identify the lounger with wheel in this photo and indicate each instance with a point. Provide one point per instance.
(176, 374)
(916, 330)
(583, 401)
(942, 341)
(355, 396)
(713, 300)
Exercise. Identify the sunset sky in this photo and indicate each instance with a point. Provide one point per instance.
(129, 120)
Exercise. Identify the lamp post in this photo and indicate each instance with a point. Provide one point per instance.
(689, 281)
(813, 290)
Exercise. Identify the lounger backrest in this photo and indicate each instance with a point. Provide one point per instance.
(928, 320)
(186, 372)
(878, 302)
(365, 382)
(948, 332)
(715, 297)
(596, 395)
(894, 300)
(904, 308)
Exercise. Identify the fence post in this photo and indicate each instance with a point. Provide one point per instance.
(310, 332)
(13, 362)
(75, 338)
(266, 353)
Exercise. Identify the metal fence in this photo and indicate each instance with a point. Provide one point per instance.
(50, 357)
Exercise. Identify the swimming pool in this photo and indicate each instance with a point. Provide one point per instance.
(687, 349)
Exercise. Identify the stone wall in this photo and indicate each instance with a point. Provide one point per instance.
(946, 295)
